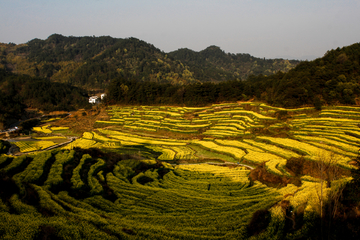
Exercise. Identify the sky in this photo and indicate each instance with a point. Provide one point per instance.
(293, 29)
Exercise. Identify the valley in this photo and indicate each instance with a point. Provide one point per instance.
(185, 145)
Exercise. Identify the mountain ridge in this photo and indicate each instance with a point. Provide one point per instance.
(92, 62)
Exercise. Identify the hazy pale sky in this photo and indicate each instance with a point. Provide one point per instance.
(298, 29)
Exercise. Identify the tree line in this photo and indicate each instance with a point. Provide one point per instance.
(18, 92)
(133, 92)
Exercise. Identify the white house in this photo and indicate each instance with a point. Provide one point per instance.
(94, 99)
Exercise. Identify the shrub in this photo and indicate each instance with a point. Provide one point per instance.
(4, 146)
(259, 222)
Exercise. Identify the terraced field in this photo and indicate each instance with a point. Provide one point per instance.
(76, 195)
(131, 190)
(256, 134)
(48, 129)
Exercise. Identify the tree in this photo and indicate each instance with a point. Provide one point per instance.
(328, 194)
(317, 103)
(4, 146)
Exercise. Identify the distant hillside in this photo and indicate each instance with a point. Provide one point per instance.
(332, 79)
(92, 62)
(213, 64)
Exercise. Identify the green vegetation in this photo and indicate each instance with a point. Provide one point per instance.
(30, 146)
(286, 174)
(56, 170)
(178, 202)
(331, 79)
(213, 64)
(327, 80)
(95, 61)
(18, 92)
(4, 146)
(39, 93)
(238, 170)
(136, 73)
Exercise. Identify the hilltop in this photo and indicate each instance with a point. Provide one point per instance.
(331, 80)
(214, 64)
(92, 62)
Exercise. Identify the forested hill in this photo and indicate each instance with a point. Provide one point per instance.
(213, 64)
(92, 62)
(332, 79)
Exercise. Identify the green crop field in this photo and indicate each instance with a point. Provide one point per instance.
(161, 172)
(30, 146)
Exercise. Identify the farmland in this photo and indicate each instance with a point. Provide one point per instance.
(246, 131)
(159, 172)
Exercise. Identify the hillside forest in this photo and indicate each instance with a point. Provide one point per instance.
(330, 80)
(18, 92)
(92, 62)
